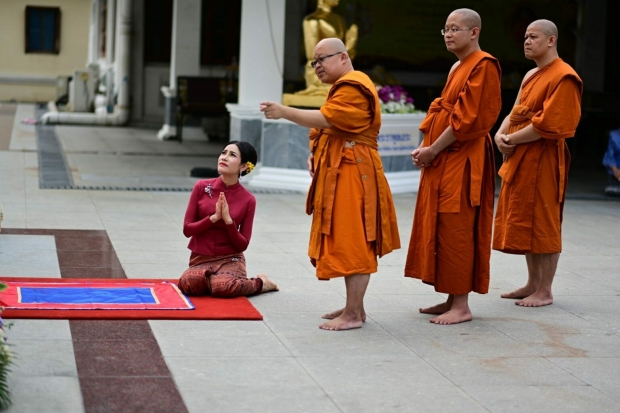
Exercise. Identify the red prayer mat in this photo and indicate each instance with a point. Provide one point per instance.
(205, 308)
(93, 296)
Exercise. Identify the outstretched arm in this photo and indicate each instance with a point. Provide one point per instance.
(307, 118)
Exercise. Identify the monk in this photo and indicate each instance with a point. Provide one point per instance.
(536, 160)
(353, 216)
(450, 246)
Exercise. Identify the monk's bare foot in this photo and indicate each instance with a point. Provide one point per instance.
(453, 316)
(268, 285)
(538, 299)
(338, 313)
(436, 309)
(520, 293)
(342, 322)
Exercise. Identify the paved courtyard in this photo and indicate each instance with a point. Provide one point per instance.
(561, 358)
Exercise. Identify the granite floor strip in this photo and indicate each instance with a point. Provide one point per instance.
(120, 365)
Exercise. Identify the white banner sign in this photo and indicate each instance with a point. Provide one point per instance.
(395, 140)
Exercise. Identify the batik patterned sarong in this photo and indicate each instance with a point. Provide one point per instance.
(220, 276)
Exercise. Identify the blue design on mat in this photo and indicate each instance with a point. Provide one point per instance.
(64, 295)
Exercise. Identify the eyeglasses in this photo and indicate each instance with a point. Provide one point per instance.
(321, 59)
(453, 31)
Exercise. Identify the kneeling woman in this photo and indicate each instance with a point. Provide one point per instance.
(219, 221)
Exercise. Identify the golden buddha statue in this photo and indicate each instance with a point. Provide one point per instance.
(321, 24)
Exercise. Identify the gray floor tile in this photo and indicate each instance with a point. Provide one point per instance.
(298, 302)
(500, 371)
(547, 399)
(364, 342)
(38, 329)
(475, 344)
(211, 345)
(75, 221)
(148, 221)
(406, 399)
(600, 311)
(167, 271)
(43, 358)
(45, 394)
(600, 373)
(28, 256)
(371, 374)
(237, 384)
(207, 329)
(177, 258)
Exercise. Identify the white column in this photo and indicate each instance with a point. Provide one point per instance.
(185, 56)
(261, 62)
(110, 30)
(93, 33)
(261, 56)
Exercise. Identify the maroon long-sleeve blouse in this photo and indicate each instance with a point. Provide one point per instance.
(217, 238)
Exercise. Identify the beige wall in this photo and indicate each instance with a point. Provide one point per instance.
(15, 63)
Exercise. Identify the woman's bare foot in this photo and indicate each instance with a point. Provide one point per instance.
(437, 309)
(268, 285)
(538, 299)
(453, 316)
(520, 293)
(342, 322)
(338, 313)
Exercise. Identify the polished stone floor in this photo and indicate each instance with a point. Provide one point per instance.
(559, 358)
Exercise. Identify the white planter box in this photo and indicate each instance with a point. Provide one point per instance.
(284, 149)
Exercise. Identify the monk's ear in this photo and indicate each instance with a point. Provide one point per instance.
(552, 41)
(475, 32)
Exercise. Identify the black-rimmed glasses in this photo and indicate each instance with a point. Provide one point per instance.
(453, 31)
(321, 59)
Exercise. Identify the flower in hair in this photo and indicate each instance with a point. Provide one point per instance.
(250, 167)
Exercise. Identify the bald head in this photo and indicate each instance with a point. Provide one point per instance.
(468, 17)
(331, 60)
(333, 44)
(540, 42)
(546, 26)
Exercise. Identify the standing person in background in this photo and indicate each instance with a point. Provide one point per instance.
(353, 216)
(450, 246)
(536, 160)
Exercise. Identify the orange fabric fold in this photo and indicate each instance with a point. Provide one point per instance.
(534, 177)
(352, 108)
(469, 104)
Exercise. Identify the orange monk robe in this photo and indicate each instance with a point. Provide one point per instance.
(450, 244)
(534, 177)
(354, 220)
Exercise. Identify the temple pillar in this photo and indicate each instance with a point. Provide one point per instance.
(261, 64)
(185, 57)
